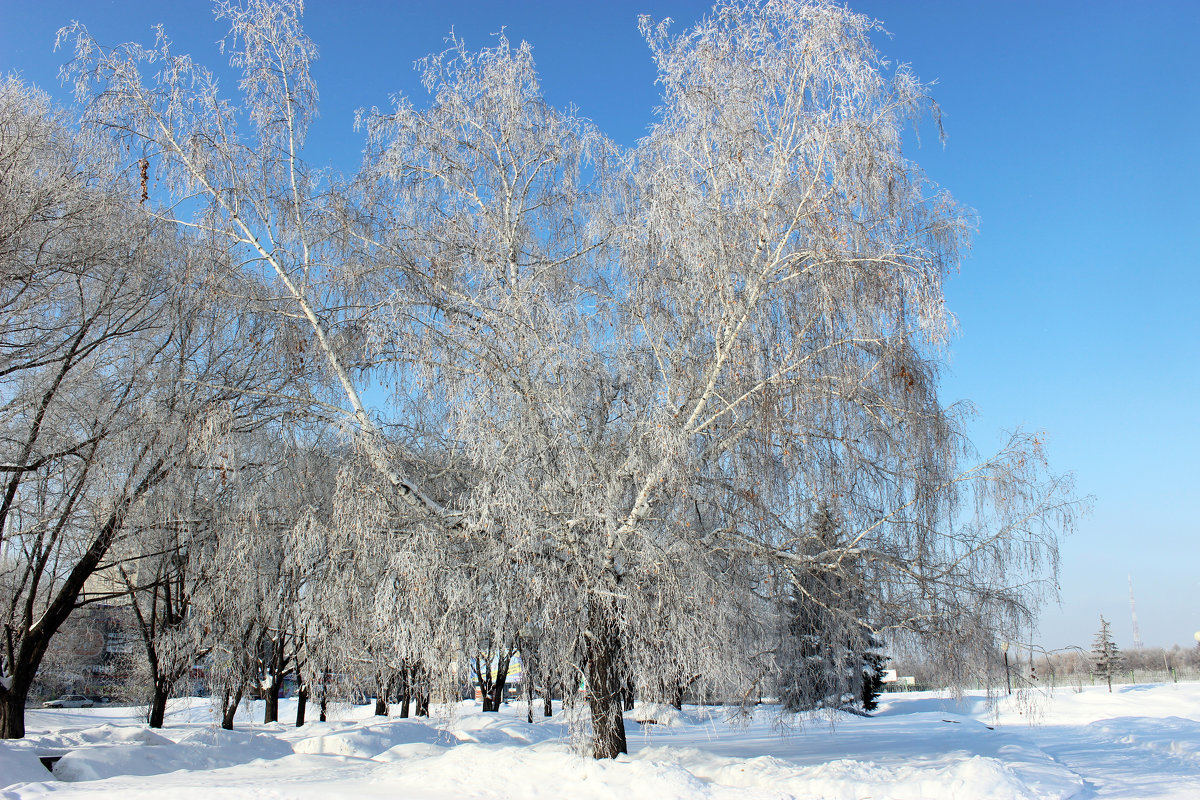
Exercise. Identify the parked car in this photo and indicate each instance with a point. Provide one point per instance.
(69, 701)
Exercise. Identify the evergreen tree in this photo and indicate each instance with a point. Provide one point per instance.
(1106, 658)
(874, 665)
(828, 653)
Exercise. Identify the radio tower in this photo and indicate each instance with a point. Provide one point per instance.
(1137, 634)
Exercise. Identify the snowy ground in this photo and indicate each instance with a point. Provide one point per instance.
(1139, 742)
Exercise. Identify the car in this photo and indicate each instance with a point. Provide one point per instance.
(69, 701)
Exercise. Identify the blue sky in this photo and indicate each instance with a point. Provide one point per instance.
(1072, 131)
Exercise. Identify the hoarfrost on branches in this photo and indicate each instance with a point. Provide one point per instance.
(664, 419)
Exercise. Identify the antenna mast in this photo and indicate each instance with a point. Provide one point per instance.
(1137, 634)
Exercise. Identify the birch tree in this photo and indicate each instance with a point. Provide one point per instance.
(504, 292)
(241, 163)
(788, 298)
(661, 365)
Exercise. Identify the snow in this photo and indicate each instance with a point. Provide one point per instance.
(20, 764)
(1137, 742)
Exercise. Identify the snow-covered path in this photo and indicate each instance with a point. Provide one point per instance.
(1138, 742)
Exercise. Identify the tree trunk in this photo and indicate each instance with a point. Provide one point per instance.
(404, 691)
(482, 666)
(405, 698)
(271, 708)
(548, 700)
(604, 682)
(229, 709)
(158, 703)
(301, 704)
(275, 668)
(501, 681)
(381, 696)
(570, 691)
(324, 705)
(12, 711)
(24, 665)
(421, 696)
(22, 669)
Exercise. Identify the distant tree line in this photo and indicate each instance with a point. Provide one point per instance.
(1068, 666)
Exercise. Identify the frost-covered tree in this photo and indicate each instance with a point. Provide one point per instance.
(825, 656)
(173, 559)
(77, 302)
(112, 373)
(1106, 658)
(241, 164)
(626, 382)
(659, 364)
(506, 289)
(391, 601)
(265, 576)
(170, 639)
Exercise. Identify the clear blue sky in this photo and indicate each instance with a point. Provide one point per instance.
(1074, 132)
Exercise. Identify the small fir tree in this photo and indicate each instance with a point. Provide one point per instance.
(1106, 658)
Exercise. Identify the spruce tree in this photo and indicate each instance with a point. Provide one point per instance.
(1106, 658)
(873, 668)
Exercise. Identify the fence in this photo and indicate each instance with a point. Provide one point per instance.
(1057, 680)
(1128, 677)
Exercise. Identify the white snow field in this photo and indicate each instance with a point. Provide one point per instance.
(1141, 741)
